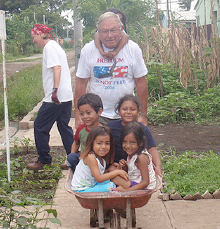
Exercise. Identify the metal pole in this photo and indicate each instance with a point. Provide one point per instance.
(3, 38)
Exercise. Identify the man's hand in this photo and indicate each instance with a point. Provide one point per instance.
(54, 96)
(142, 120)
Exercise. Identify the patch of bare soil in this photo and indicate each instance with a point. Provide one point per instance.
(183, 137)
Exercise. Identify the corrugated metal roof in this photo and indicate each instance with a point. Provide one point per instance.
(183, 15)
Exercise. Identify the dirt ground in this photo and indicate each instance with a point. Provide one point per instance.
(182, 137)
(187, 137)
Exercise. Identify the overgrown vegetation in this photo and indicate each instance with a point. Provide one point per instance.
(190, 172)
(24, 91)
(177, 103)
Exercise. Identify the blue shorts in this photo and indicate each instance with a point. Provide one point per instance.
(106, 186)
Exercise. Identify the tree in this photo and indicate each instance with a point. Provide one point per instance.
(36, 14)
(17, 6)
(185, 4)
(18, 27)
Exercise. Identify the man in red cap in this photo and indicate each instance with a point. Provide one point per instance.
(57, 103)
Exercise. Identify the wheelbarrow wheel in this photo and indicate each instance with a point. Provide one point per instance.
(93, 217)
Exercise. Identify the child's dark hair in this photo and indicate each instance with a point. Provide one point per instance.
(127, 97)
(117, 11)
(95, 132)
(92, 99)
(136, 129)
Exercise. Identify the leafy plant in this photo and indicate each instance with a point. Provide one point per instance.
(13, 217)
(190, 172)
(26, 142)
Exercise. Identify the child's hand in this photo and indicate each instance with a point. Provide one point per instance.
(111, 54)
(116, 165)
(123, 174)
(122, 163)
(105, 54)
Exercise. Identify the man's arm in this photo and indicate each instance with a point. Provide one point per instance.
(142, 94)
(80, 89)
(56, 76)
(56, 83)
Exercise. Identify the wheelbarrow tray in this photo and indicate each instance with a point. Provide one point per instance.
(128, 200)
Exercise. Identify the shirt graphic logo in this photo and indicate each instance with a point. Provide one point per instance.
(119, 71)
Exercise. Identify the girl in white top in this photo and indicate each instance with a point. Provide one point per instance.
(89, 174)
(134, 144)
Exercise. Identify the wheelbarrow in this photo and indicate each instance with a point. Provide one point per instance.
(98, 202)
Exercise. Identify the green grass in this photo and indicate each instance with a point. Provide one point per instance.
(24, 60)
(191, 172)
(24, 91)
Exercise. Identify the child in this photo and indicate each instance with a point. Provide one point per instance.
(123, 41)
(128, 108)
(134, 143)
(89, 174)
(90, 107)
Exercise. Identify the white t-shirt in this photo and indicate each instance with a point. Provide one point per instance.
(54, 55)
(130, 65)
(83, 178)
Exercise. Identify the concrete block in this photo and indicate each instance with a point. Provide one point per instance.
(207, 195)
(216, 194)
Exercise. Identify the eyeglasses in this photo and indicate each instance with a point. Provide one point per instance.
(112, 31)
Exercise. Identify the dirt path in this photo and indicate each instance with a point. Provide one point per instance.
(13, 67)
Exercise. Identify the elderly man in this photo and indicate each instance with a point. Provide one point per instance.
(111, 79)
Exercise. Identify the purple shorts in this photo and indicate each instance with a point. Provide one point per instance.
(133, 183)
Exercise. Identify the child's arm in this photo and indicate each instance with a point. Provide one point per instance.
(99, 46)
(123, 41)
(142, 162)
(156, 160)
(90, 160)
(75, 146)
